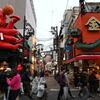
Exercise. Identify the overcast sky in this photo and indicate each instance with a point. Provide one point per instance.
(50, 13)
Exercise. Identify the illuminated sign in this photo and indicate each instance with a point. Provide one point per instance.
(93, 24)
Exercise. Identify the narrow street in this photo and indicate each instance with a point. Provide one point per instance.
(40, 37)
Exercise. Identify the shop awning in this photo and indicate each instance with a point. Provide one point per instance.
(81, 57)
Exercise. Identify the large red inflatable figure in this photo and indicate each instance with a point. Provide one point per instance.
(8, 35)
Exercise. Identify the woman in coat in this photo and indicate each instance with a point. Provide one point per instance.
(14, 83)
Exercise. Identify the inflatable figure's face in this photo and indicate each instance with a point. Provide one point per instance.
(8, 10)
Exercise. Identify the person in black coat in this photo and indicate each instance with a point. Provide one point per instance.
(83, 83)
(4, 73)
(26, 81)
(93, 83)
(62, 83)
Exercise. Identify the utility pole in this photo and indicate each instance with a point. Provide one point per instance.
(28, 31)
(54, 31)
(24, 28)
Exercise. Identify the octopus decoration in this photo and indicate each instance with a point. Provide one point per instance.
(8, 35)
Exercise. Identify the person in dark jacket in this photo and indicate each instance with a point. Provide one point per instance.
(84, 92)
(62, 83)
(93, 83)
(4, 73)
(26, 82)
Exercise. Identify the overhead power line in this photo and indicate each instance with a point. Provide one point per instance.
(44, 39)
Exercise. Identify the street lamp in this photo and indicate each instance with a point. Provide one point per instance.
(54, 31)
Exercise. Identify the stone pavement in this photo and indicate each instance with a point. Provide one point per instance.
(53, 88)
(52, 83)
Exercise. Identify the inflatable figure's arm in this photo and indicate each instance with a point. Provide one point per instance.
(14, 19)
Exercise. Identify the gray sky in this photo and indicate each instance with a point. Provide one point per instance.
(50, 13)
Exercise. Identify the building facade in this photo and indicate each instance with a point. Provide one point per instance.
(82, 30)
(69, 17)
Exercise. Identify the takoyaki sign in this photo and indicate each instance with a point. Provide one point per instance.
(93, 24)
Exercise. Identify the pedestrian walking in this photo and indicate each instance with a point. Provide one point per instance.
(26, 82)
(14, 83)
(63, 83)
(93, 83)
(34, 83)
(68, 84)
(4, 73)
(42, 85)
(84, 91)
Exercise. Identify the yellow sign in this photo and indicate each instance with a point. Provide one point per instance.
(93, 24)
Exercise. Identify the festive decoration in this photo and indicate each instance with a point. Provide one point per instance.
(14, 19)
(89, 46)
(8, 39)
(6, 45)
(8, 31)
(12, 39)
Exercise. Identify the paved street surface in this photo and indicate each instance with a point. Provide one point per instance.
(53, 89)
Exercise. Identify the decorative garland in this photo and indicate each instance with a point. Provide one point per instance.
(80, 45)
